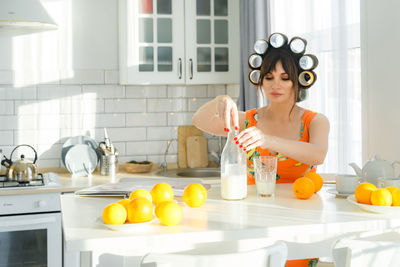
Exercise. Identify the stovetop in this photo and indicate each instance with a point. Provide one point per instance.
(46, 180)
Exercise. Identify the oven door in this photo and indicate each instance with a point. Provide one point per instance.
(31, 240)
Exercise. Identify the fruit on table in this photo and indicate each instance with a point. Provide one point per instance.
(194, 195)
(114, 213)
(124, 202)
(303, 188)
(317, 180)
(140, 209)
(381, 197)
(396, 197)
(391, 188)
(140, 193)
(363, 193)
(161, 192)
(169, 213)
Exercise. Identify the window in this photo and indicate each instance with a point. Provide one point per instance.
(332, 30)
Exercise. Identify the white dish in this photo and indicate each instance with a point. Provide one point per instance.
(81, 160)
(125, 226)
(77, 140)
(373, 208)
(336, 193)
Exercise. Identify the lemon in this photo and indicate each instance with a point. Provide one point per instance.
(140, 210)
(140, 193)
(194, 195)
(396, 197)
(169, 213)
(381, 197)
(114, 214)
(161, 192)
(391, 188)
(124, 202)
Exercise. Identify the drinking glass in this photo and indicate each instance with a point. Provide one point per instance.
(265, 175)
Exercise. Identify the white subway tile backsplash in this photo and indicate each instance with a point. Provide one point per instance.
(48, 163)
(146, 119)
(6, 77)
(8, 92)
(49, 151)
(6, 138)
(125, 105)
(180, 118)
(107, 120)
(6, 107)
(162, 133)
(166, 105)
(82, 77)
(120, 148)
(146, 91)
(51, 106)
(216, 90)
(160, 158)
(187, 91)
(8, 122)
(81, 106)
(33, 137)
(111, 77)
(195, 103)
(122, 134)
(233, 90)
(150, 147)
(50, 91)
(103, 91)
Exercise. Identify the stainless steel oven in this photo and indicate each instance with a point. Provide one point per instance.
(30, 230)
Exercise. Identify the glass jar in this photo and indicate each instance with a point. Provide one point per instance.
(233, 170)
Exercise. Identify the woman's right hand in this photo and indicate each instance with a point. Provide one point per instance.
(227, 112)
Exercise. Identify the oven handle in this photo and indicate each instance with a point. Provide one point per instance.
(44, 220)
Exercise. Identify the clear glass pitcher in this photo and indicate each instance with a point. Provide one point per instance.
(233, 170)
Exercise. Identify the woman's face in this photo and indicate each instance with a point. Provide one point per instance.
(277, 85)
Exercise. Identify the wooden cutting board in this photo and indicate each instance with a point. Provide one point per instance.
(196, 151)
(183, 133)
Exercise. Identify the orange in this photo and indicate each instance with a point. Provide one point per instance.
(363, 193)
(381, 197)
(114, 214)
(317, 180)
(161, 192)
(391, 188)
(124, 202)
(140, 193)
(169, 213)
(396, 197)
(140, 210)
(303, 188)
(194, 195)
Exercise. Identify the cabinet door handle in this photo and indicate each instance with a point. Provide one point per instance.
(180, 68)
(191, 68)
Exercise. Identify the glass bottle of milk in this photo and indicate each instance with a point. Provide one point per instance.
(233, 170)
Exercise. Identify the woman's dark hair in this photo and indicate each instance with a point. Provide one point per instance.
(289, 63)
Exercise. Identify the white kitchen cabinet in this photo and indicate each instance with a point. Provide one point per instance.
(179, 41)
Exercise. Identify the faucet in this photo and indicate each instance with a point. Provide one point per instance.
(217, 154)
(163, 164)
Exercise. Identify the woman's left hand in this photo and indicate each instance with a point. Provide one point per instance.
(250, 138)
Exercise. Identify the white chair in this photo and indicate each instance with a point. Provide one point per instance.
(369, 250)
(274, 255)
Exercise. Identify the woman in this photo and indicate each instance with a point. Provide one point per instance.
(298, 137)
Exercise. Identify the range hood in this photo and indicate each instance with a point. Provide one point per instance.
(25, 14)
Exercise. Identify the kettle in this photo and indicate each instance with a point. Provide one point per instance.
(20, 170)
(375, 168)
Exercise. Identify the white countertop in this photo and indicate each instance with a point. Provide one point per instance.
(283, 217)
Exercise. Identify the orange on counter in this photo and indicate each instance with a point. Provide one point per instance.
(161, 192)
(381, 197)
(194, 195)
(169, 213)
(114, 213)
(317, 180)
(140, 193)
(363, 193)
(391, 188)
(140, 210)
(303, 188)
(124, 202)
(396, 197)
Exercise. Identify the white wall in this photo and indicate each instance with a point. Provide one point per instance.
(380, 41)
(62, 83)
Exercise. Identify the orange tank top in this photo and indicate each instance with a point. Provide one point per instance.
(288, 169)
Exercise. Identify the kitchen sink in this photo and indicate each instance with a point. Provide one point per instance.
(191, 173)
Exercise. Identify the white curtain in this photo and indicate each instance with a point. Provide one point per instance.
(332, 30)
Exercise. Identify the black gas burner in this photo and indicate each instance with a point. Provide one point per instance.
(5, 183)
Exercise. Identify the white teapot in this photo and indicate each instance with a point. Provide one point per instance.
(375, 168)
